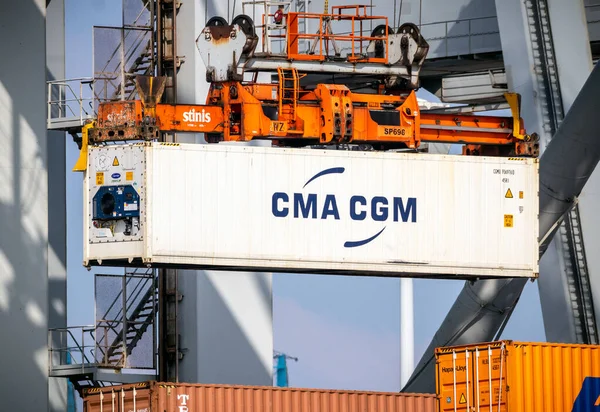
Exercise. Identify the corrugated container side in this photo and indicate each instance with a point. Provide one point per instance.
(524, 377)
(170, 397)
(313, 211)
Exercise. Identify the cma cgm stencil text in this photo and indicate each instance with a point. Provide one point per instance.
(313, 206)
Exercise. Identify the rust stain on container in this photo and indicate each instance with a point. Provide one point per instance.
(522, 376)
(171, 397)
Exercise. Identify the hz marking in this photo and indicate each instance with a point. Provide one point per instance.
(277, 127)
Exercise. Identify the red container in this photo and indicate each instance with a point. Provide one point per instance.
(183, 397)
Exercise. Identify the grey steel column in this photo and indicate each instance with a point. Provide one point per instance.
(589, 199)
(23, 207)
(483, 307)
(224, 318)
(57, 198)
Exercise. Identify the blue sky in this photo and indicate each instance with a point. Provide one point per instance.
(344, 330)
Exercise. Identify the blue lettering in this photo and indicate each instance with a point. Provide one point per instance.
(277, 212)
(381, 214)
(330, 208)
(410, 210)
(305, 208)
(353, 214)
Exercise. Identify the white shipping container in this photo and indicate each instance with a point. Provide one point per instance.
(313, 211)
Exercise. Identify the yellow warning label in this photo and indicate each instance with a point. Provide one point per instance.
(129, 176)
(508, 220)
(508, 194)
(462, 398)
(116, 161)
(521, 194)
(597, 402)
(99, 178)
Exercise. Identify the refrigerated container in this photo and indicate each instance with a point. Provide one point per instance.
(183, 397)
(509, 376)
(311, 210)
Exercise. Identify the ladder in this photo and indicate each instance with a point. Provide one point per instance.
(127, 319)
(578, 280)
(168, 62)
(289, 90)
(570, 237)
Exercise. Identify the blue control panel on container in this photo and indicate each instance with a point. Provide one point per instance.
(116, 202)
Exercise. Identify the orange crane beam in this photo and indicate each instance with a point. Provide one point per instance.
(327, 114)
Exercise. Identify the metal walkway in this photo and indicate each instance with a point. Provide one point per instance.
(91, 356)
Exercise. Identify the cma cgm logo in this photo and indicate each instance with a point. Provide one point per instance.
(197, 117)
(361, 208)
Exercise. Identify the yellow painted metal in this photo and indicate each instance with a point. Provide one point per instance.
(513, 100)
(523, 377)
(81, 164)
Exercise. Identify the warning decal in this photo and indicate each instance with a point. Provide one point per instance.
(99, 178)
(462, 398)
(508, 194)
(116, 162)
(508, 220)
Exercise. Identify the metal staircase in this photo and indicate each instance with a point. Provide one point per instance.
(137, 302)
(570, 238)
(73, 102)
(125, 335)
(142, 63)
(94, 356)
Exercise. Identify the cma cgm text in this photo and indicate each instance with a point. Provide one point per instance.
(312, 206)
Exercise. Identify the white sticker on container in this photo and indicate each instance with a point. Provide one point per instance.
(130, 206)
(103, 232)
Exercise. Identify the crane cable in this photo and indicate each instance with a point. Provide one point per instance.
(399, 13)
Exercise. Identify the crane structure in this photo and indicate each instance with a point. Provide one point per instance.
(281, 369)
(294, 111)
(350, 90)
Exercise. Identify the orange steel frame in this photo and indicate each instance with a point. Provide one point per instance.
(329, 114)
(324, 37)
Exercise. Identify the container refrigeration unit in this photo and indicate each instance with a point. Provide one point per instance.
(247, 208)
